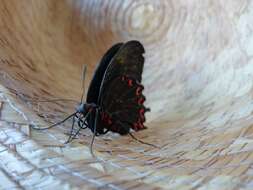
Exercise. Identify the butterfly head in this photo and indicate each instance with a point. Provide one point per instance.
(85, 107)
(81, 108)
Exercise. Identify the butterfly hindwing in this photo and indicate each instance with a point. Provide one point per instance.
(124, 106)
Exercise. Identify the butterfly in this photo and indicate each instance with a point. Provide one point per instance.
(115, 100)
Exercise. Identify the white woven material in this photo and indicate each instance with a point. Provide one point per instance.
(198, 83)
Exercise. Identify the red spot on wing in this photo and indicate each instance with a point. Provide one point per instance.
(130, 82)
(138, 91)
(109, 121)
(138, 125)
(135, 125)
(139, 98)
(106, 118)
(142, 111)
(141, 101)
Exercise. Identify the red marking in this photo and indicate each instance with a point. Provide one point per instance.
(142, 118)
(138, 91)
(141, 111)
(141, 126)
(109, 121)
(135, 126)
(106, 118)
(138, 125)
(141, 101)
(130, 82)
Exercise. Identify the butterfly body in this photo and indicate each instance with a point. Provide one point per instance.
(114, 99)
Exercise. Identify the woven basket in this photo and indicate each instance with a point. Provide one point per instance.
(198, 83)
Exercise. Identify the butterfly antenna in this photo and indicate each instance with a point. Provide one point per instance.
(71, 131)
(36, 100)
(142, 142)
(53, 100)
(83, 82)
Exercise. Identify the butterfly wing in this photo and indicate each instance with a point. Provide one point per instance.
(120, 97)
(94, 87)
(127, 61)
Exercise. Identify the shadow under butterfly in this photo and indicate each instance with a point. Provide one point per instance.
(114, 99)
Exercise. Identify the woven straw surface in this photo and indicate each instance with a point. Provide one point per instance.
(198, 83)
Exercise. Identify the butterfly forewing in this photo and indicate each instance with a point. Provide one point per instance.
(93, 91)
(128, 61)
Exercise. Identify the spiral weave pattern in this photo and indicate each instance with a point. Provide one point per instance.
(198, 83)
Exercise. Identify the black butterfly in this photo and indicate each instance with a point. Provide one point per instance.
(114, 99)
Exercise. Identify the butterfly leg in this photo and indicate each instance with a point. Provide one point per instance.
(81, 123)
(94, 133)
(51, 126)
(142, 142)
(71, 131)
(138, 140)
